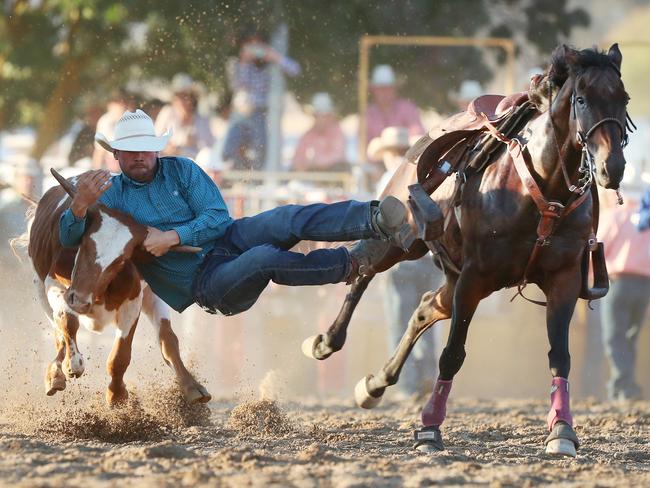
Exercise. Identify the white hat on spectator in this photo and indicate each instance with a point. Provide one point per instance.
(382, 75)
(321, 104)
(390, 138)
(134, 132)
(183, 83)
(469, 90)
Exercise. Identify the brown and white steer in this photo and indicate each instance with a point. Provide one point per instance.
(97, 285)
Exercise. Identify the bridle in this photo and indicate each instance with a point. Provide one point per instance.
(587, 168)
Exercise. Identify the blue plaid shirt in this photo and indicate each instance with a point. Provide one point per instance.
(180, 197)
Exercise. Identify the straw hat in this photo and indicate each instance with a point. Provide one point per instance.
(382, 75)
(390, 138)
(134, 132)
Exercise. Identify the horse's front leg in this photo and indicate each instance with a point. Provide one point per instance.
(562, 291)
(468, 293)
(433, 307)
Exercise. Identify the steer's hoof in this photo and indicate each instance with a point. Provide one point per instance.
(562, 441)
(361, 395)
(74, 367)
(428, 439)
(197, 394)
(117, 397)
(309, 344)
(52, 385)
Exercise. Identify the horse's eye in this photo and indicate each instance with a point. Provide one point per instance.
(580, 100)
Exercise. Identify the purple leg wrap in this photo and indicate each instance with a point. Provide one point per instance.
(560, 410)
(435, 409)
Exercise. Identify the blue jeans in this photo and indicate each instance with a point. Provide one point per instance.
(406, 282)
(623, 310)
(255, 250)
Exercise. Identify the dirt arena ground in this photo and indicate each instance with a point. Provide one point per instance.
(158, 441)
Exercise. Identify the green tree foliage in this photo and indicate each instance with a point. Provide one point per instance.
(54, 53)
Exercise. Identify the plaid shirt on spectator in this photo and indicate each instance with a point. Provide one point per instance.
(256, 80)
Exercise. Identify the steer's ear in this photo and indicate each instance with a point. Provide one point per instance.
(67, 186)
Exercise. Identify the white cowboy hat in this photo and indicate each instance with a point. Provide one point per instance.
(382, 75)
(134, 132)
(321, 104)
(390, 138)
(183, 83)
(469, 90)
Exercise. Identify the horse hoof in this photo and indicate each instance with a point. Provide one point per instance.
(428, 448)
(362, 397)
(560, 448)
(197, 394)
(309, 344)
(429, 439)
(118, 397)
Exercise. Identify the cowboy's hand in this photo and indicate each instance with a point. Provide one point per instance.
(158, 242)
(90, 187)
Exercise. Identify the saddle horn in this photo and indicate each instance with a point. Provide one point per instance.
(67, 186)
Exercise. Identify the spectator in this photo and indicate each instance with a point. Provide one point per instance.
(153, 106)
(406, 282)
(387, 109)
(115, 107)
(83, 144)
(390, 147)
(239, 145)
(321, 148)
(191, 131)
(251, 74)
(626, 233)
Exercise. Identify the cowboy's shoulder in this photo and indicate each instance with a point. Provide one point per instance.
(178, 165)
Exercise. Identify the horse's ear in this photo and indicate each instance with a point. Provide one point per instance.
(561, 60)
(615, 55)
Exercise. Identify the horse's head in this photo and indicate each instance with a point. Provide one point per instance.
(590, 81)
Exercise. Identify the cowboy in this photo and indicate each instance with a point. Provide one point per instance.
(180, 204)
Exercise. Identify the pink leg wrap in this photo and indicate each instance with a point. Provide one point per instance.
(435, 409)
(560, 410)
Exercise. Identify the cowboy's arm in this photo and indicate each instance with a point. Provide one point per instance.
(90, 188)
(205, 200)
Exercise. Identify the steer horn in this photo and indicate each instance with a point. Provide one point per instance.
(67, 186)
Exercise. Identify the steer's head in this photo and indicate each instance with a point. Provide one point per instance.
(111, 239)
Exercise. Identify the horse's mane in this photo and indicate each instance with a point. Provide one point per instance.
(567, 61)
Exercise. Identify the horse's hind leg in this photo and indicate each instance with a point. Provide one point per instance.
(434, 306)
(322, 346)
(158, 313)
(561, 293)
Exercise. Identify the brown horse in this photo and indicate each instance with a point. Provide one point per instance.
(524, 218)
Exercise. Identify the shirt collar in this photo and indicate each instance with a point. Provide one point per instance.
(139, 184)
